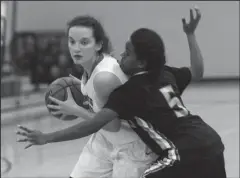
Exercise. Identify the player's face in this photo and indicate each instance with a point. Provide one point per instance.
(82, 44)
(129, 63)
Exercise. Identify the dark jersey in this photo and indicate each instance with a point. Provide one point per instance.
(158, 115)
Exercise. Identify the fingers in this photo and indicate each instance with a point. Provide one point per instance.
(197, 18)
(28, 146)
(51, 106)
(184, 21)
(56, 113)
(25, 134)
(56, 101)
(24, 140)
(63, 117)
(191, 15)
(32, 142)
(28, 134)
(198, 13)
(28, 139)
(54, 107)
(69, 92)
(24, 128)
(21, 133)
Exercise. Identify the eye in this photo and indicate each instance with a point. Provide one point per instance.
(84, 42)
(71, 41)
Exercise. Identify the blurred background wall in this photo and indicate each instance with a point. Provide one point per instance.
(42, 24)
(217, 34)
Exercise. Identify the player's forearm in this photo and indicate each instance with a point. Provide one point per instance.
(80, 130)
(112, 126)
(197, 64)
(84, 113)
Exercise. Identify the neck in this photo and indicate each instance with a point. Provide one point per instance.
(89, 65)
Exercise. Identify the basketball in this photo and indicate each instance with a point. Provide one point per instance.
(58, 90)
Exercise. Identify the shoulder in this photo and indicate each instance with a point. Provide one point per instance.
(108, 58)
(106, 82)
(178, 77)
(181, 71)
(108, 63)
(104, 77)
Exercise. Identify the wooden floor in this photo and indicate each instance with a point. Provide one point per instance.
(218, 104)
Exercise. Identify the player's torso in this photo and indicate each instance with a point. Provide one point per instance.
(108, 64)
(164, 98)
(164, 110)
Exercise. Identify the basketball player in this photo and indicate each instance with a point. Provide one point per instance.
(115, 149)
(87, 128)
(150, 101)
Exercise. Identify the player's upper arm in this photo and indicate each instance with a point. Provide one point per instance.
(104, 83)
(127, 100)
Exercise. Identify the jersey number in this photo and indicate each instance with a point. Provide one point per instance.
(173, 101)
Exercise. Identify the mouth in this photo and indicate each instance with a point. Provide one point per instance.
(77, 56)
(121, 65)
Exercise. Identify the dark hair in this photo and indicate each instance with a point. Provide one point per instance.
(149, 47)
(98, 31)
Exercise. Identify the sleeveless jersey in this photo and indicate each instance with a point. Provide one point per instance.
(108, 64)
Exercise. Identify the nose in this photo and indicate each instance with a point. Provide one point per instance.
(122, 54)
(76, 47)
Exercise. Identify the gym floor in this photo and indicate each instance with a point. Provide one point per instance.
(216, 103)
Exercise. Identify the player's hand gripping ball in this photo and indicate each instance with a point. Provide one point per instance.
(64, 97)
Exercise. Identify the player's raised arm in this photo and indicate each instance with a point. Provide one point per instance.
(197, 65)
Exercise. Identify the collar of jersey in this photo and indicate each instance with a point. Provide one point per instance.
(140, 73)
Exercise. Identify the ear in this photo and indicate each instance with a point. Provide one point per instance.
(99, 46)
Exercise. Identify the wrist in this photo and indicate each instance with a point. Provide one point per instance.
(48, 137)
(77, 110)
(190, 35)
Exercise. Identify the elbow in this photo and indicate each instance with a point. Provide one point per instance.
(198, 76)
(198, 73)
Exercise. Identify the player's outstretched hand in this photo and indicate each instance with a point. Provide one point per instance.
(68, 107)
(189, 28)
(33, 137)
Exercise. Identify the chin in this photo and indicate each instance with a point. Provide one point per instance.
(77, 62)
(125, 71)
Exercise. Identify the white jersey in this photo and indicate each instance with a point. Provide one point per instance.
(109, 64)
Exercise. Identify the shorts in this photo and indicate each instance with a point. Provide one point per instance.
(102, 159)
(212, 167)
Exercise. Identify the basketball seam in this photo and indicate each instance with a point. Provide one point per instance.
(65, 93)
(74, 85)
(63, 87)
